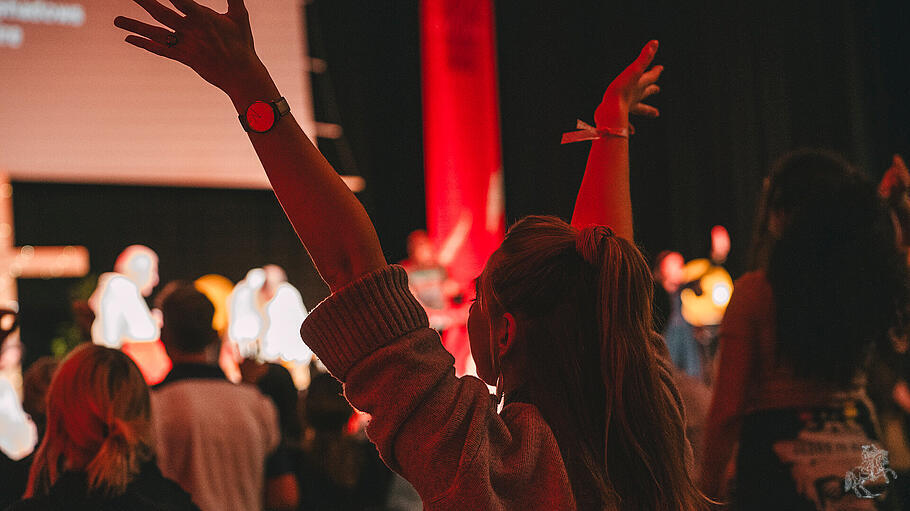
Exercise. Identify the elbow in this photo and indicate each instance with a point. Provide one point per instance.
(336, 277)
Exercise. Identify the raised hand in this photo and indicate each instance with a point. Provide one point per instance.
(626, 92)
(329, 220)
(219, 47)
(894, 188)
(604, 197)
(896, 180)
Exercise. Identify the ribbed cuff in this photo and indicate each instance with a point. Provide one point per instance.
(361, 317)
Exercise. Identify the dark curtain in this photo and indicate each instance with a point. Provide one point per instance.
(371, 87)
(744, 83)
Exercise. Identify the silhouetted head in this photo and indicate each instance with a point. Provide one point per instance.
(572, 310)
(187, 318)
(35, 384)
(139, 264)
(828, 248)
(668, 270)
(421, 250)
(325, 408)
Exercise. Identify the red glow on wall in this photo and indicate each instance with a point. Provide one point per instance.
(463, 154)
(462, 148)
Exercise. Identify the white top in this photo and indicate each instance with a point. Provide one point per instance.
(18, 434)
(213, 437)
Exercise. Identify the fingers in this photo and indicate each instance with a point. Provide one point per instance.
(651, 76)
(645, 110)
(156, 34)
(161, 13)
(186, 6)
(897, 175)
(645, 57)
(650, 90)
(152, 46)
(898, 162)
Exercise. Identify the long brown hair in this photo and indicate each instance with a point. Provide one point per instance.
(98, 421)
(598, 372)
(836, 273)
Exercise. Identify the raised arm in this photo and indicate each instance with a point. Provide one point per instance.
(604, 196)
(736, 369)
(894, 190)
(329, 220)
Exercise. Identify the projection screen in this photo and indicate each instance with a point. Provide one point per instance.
(82, 106)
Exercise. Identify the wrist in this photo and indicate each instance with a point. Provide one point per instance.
(611, 114)
(257, 85)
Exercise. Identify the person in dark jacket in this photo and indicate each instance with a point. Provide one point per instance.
(98, 452)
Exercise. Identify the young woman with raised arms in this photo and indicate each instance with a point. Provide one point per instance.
(562, 321)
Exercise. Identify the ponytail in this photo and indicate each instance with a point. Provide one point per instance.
(118, 460)
(648, 457)
(98, 421)
(598, 373)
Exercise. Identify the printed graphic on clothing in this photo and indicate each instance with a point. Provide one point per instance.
(823, 451)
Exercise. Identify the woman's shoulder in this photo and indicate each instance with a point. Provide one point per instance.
(751, 303)
(755, 279)
(752, 287)
(68, 492)
(35, 503)
(527, 425)
(151, 491)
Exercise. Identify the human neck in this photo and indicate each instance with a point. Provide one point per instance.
(183, 357)
(513, 377)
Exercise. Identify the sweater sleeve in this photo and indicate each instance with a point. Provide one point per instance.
(440, 432)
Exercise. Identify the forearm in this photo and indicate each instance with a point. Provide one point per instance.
(734, 374)
(330, 221)
(722, 427)
(720, 440)
(604, 197)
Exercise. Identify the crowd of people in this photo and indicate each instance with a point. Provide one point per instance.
(808, 391)
(195, 440)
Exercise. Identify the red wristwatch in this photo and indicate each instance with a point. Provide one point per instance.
(261, 116)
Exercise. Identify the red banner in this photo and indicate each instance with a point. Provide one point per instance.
(463, 152)
(462, 148)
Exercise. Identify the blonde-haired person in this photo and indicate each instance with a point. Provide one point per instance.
(591, 418)
(98, 451)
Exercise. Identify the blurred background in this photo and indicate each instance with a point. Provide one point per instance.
(743, 84)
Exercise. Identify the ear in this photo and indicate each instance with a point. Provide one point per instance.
(506, 334)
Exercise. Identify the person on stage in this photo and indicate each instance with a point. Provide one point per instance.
(123, 319)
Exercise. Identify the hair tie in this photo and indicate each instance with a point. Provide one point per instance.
(118, 431)
(589, 243)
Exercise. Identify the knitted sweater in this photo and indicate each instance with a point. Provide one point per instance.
(440, 432)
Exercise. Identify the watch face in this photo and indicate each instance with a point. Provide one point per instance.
(260, 116)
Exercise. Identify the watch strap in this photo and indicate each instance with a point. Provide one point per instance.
(282, 107)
